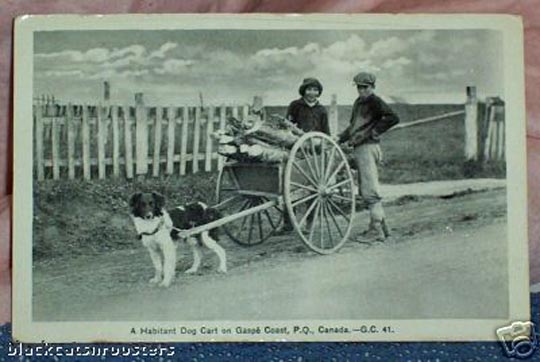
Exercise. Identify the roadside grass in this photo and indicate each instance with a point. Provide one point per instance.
(429, 152)
(78, 217)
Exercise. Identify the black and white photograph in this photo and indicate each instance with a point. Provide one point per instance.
(269, 178)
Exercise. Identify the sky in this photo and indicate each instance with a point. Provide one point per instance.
(173, 67)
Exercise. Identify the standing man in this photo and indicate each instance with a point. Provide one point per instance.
(370, 118)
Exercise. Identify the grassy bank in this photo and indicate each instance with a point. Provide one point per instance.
(79, 217)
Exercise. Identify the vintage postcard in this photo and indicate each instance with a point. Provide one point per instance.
(269, 178)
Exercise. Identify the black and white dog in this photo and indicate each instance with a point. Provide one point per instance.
(157, 228)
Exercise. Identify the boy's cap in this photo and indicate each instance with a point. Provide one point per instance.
(364, 78)
(310, 82)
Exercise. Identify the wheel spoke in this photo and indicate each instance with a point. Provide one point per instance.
(306, 158)
(305, 187)
(328, 228)
(338, 184)
(242, 227)
(304, 173)
(275, 207)
(322, 170)
(339, 197)
(339, 210)
(312, 228)
(321, 226)
(269, 219)
(303, 200)
(329, 165)
(334, 219)
(234, 179)
(308, 212)
(261, 235)
(227, 201)
(228, 189)
(335, 172)
(247, 204)
(315, 159)
(251, 217)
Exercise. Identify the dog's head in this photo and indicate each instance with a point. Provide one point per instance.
(147, 205)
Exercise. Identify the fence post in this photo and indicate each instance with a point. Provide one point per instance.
(500, 119)
(196, 140)
(184, 140)
(85, 129)
(245, 112)
(157, 142)
(258, 107)
(471, 125)
(106, 92)
(209, 139)
(333, 118)
(222, 111)
(38, 115)
(128, 143)
(55, 143)
(100, 120)
(171, 117)
(116, 141)
(71, 141)
(489, 126)
(141, 135)
(48, 106)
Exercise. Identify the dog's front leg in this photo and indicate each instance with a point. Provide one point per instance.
(169, 263)
(211, 244)
(196, 255)
(158, 267)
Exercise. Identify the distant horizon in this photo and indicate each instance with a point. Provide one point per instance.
(148, 101)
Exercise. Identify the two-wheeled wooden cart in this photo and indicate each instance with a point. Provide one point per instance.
(313, 187)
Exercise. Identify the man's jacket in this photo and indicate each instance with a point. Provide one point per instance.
(370, 118)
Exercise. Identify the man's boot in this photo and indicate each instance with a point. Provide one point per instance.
(385, 228)
(375, 232)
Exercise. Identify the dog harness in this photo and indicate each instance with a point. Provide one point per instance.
(153, 232)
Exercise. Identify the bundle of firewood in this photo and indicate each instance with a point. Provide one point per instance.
(253, 140)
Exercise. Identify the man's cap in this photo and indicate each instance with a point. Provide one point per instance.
(364, 78)
(310, 82)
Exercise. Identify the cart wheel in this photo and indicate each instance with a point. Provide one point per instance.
(252, 229)
(318, 192)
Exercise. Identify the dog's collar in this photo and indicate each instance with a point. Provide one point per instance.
(153, 232)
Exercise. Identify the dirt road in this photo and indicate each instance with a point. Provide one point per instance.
(447, 258)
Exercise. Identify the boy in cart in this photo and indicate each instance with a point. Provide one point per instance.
(370, 118)
(310, 116)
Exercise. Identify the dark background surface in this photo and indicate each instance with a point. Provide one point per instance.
(397, 351)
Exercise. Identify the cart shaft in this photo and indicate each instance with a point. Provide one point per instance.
(229, 218)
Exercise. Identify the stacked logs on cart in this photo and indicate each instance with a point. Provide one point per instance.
(254, 140)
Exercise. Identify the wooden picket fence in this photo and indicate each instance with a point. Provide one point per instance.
(484, 128)
(102, 141)
(493, 134)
